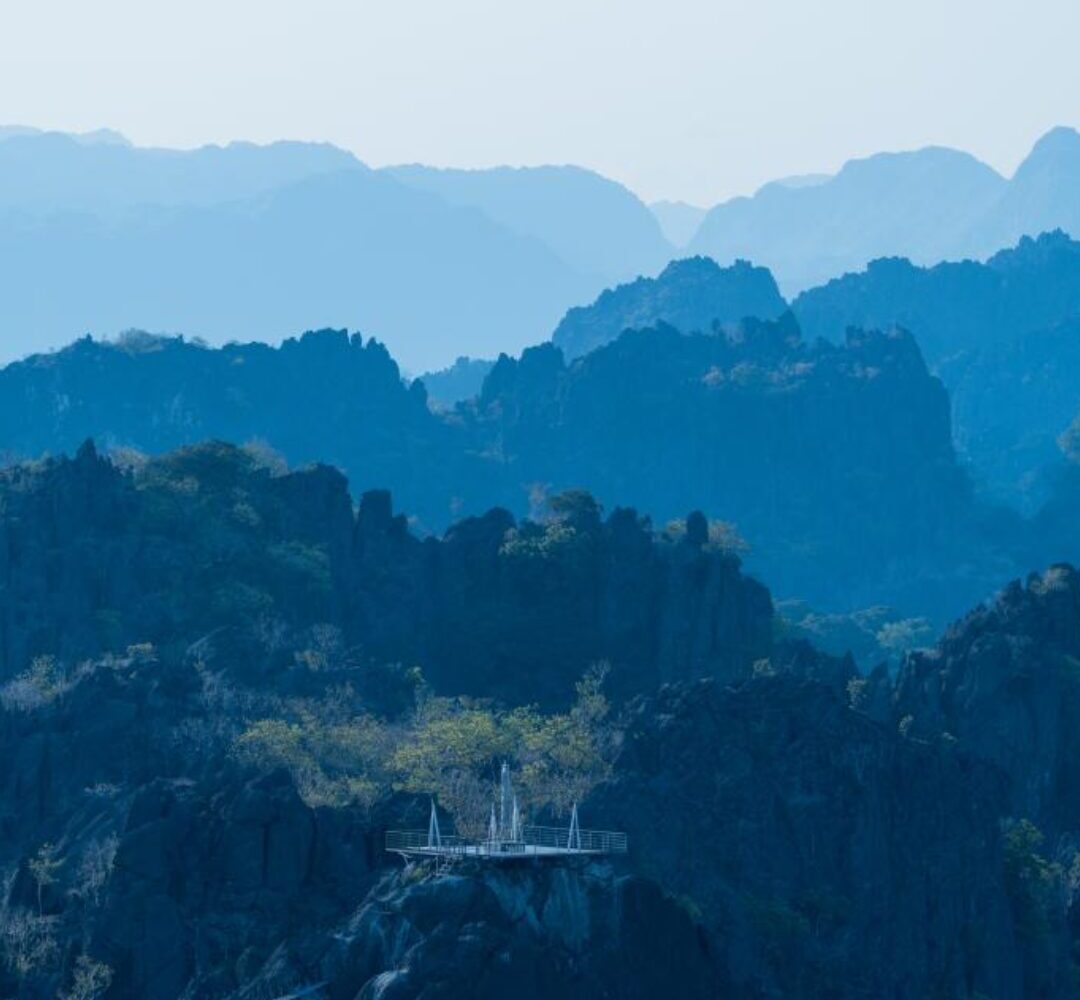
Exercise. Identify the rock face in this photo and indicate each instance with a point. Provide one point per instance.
(833, 461)
(1003, 686)
(1005, 683)
(534, 931)
(1003, 337)
(693, 295)
(831, 855)
(953, 308)
(175, 868)
(796, 830)
(822, 455)
(199, 871)
(1011, 405)
(155, 394)
(207, 541)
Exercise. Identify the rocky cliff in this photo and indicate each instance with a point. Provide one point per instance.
(796, 830)
(209, 539)
(822, 455)
(1001, 334)
(532, 931)
(834, 462)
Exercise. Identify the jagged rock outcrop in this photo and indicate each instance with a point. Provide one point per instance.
(795, 830)
(822, 455)
(533, 931)
(155, 394)
(694, 295)
(834, 462)
(829, 854)
(1001, 334)
(207, 541)
(1005, 682)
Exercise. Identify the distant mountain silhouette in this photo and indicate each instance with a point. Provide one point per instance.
(693, 295)
(350, 246)
(1043, 194)
(918, 204)
(96, 137)
(253, 242)
(929, 205)
(595, 225)
(678, 220)
(100, 173)
(246, 241)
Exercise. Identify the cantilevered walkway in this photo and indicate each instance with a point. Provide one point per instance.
(508, 839)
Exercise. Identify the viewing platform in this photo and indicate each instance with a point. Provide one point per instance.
(508, 839)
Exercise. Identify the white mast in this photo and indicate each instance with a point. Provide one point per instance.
(506, 799)
(573, 841)
(434, 838)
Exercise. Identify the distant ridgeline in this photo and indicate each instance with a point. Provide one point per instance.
(927, 204)
(834, 462)
(834, 458)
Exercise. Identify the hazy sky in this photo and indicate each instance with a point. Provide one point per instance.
(677, 98)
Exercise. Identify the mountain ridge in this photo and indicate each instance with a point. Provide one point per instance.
(931, 204)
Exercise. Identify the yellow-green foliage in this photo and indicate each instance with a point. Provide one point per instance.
(334, 763)
(451, 749)
(1035, 883)
(543, 542)
(41, 685)
(455, 749)
(723, 536)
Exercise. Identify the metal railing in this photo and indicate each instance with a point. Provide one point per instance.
(593, 841)
(417, 840)
(534, 840)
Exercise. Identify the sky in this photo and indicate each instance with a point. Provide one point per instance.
(685, 99)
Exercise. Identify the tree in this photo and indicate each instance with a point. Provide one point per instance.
(95, 868)
(44, 867)
(90, 980)
(577, 507)
(456, 749)
(1035, 884)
